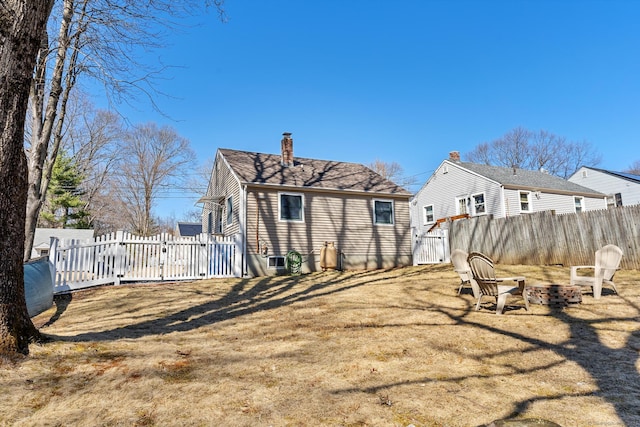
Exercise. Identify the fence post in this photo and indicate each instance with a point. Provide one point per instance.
(203, 259)
(237, 255)
(119, 256)
(53, 253)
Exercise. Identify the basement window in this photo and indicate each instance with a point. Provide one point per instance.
(275, 262)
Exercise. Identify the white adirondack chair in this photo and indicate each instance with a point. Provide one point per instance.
(607, 262)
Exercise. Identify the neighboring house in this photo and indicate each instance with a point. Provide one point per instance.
(275, 204)
(42, 238)
(188, 229)
(621, 189)
(468, 189)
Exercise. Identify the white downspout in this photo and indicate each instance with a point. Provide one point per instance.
(243, 228)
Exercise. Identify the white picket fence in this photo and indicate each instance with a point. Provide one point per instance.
(118, 257)
(431, 248)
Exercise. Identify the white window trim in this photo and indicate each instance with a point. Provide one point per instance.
(301, 195)
(275, 267)
(424, 215)
(529, 201)
(393, 212)
(581, 203)
(470, 203)
(473, 204)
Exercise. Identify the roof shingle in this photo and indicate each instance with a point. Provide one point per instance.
(522, 178)
(259, 168)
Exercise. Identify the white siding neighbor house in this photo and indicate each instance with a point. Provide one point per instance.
(275, 204)
(621, 189)
(461, 189)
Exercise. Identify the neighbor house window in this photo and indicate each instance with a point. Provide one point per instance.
(525, 201)
(382, 212)
(291, 207)
(230, 210)
(462, 207)
(578, 202)
(618, 197)
(478, 204)
(428, 214)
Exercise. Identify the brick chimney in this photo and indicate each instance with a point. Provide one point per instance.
(286, 146)
(454, 156)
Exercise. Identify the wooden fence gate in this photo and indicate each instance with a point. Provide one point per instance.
(431, 248)
(120, 257)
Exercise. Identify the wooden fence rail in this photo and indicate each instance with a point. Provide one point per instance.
(547, 239)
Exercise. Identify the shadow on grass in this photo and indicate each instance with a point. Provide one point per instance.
(267, 293)
(584, 347)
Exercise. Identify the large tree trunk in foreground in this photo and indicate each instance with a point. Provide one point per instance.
(22, 24)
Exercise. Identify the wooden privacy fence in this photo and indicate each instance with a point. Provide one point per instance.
(547, 239)
(121, 256)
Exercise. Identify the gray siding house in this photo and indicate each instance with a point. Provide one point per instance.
(274, 204)
(621, 188)
(459, 189)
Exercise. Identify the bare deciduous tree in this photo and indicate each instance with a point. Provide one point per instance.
(152, 159)
(21, 26)
(393, 172)
(98, 39)
(634, 168)
(541, 150)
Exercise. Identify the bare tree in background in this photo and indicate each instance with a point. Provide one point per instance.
(152, 159)
(21, 26)
(541, 150)
(393, 172)
(634, 168)
(100, 40)
(94, 140)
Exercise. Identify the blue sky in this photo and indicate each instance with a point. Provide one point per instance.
(403, 81)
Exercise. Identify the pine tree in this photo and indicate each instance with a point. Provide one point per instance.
(65, 207)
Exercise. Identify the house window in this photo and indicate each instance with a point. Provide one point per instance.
(428, 214)
(618, 197)
(474, 205)
(291, 207)
(462, 205)
(478, 204)
(578, 202)
(275, 262)
(219, 212)
(230, 210)
(382, 212)
(525, 201)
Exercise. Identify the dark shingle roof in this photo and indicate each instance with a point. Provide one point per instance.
(624, 175)
(259, 168)
(528, 179)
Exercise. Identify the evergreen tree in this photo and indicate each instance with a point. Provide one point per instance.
(65, 207)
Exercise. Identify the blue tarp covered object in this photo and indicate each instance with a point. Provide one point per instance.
(38, 285)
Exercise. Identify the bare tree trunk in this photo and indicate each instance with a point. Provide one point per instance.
(41, 158)
(22, 24)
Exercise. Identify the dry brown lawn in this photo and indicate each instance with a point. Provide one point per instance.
(378, 348)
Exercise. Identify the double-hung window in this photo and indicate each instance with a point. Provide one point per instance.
(428, 214)
(383, 212)
(471, 205)
(291, 207)
(229, 210)
(578, 203)
(525, 201)
(478, 204)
